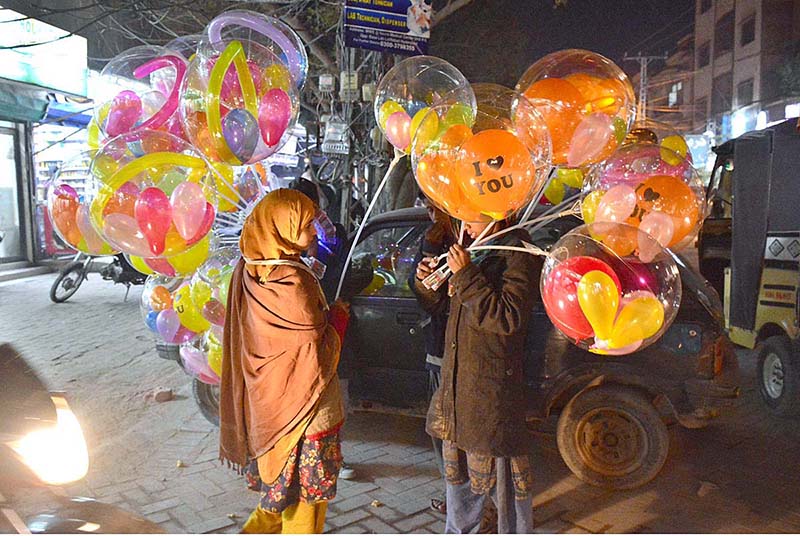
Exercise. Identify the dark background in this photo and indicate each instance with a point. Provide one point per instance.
(496, 40)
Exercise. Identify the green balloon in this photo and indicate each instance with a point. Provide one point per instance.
(459, 114)
(620, 129)
(170, 181)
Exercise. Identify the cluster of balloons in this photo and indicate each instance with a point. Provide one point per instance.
(607, 303)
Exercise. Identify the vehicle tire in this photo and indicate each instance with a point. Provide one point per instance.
(779, 375)
(612, 437)
(207, 398)
(68, 282)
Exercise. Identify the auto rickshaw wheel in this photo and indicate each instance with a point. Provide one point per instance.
(207, 398)
(779, 375)
(612, 437)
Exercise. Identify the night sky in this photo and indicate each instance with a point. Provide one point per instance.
(496, 40)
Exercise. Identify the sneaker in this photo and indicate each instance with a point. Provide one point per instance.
(347, 472)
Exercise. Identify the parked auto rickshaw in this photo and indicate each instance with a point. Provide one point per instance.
(749, 248)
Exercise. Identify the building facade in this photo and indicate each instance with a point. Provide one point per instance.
(741, 47)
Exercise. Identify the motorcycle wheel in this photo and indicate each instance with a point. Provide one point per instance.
(207, 398)
(68, 282)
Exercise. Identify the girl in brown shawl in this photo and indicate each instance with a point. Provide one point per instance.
(280, 402)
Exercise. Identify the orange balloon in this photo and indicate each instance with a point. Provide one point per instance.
(433, 176)
(562, 115)
(599, 94)
(671, 196)
(455, 136)
(622, 240)
(495, 172)
(160, 299)
(64, 210)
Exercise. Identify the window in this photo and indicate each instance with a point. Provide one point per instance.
(675, 97)
(705, 5)
(704, 55)
(724, 34)
(748, 34)
(701, 110)
(744, 93)
(722, 93)
(383, 262)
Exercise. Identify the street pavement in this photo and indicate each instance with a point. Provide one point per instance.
(160, 459)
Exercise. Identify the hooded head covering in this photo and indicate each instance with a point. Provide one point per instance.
(273, 229)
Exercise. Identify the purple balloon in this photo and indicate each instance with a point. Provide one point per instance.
(65, 189)
(274, 114)
(167, 324)
(240, 130)
(125, 111)
(183, 335)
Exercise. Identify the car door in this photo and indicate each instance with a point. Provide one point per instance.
(386, 347)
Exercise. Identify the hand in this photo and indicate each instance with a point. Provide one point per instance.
(458, 258)
(425, 267)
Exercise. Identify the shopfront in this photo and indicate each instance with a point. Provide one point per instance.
(49, 71)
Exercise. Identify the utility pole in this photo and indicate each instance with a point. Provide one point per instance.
(641, 111)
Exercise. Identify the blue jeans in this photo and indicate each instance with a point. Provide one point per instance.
(465, 508)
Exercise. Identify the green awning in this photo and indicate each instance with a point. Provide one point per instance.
(21, 102)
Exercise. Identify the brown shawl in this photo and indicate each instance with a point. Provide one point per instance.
(279, 352)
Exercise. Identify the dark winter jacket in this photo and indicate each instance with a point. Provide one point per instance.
(480, 405)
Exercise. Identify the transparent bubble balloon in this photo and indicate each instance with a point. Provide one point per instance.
(406, 93)
(68, 207)
(587, 102)
(269, 33)
(661, 134)
(185, 45)
(604, 301)
(140, 90)
(485, 166)
(181, 265)
(241, 99)
(152, 195)
(211, 284)
(650, 187)
(158, 309)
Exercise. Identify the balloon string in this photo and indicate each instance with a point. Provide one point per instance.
(529, 248)
(461, 233)
(532, 205)
(242, 202)
(360, 230)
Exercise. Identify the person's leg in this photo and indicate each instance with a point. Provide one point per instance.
(434, 379)
(464, 509)
(304, 518)
(346, 472)
(262, 522)
(514, 514)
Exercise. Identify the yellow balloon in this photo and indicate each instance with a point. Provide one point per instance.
(188, 314)
(190, 260)
(276, 76)
(640, 319)
(673, 144)
(201, 293)
(139, 264)
(93, 135)
(598, 297)
(223, 178)
(387, 109)
(425, 132)
(214, 353)
(589, 206)
(571, 177)
(555, 191)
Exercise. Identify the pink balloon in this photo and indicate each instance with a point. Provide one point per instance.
(274, 114)
(183, 334)
(590, 138)
(154, 216)
(125, 111)
(205, 226)
(167, 324)
(161, 266)
(625, 350)
(210, 377)
(93, 241)
(65, 189)
(661, 227)
(129, 188)
(398, 130)
(616, 205)
(194, 360)
(214, 312)
(231, 94)
(188, 208)
(123, 233)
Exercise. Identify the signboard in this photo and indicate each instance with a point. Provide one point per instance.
(394, 26)
(58, 63)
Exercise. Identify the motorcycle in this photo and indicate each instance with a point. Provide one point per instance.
(42, 447)
(76, 272)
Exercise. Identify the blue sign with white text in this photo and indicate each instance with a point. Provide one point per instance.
(394, 26)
